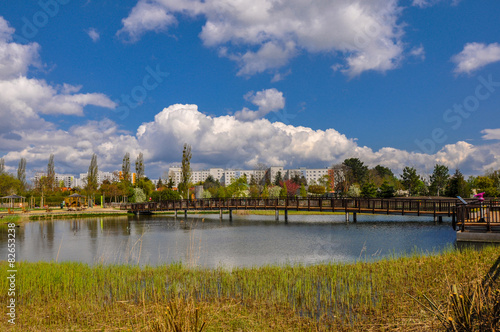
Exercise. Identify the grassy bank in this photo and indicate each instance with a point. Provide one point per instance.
(358, 297)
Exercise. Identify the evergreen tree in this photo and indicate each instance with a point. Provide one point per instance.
(457, 186)
(159, 184)
(185, 171)
(439, 179)
(278, 179)
(410, 180)
(369, 190)
(357, 171)
(303, 192)
(386, 190)
(265, 193)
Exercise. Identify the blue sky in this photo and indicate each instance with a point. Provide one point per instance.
(255, 81)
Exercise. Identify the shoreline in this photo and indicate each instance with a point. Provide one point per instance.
(69, 295)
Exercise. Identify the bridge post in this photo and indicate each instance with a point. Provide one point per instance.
(176, 213)
(354, 217)
(230, 214)
(277, 215)
(220, 213)
(185, 213)
(286, 215)
(346, 216)
(440, 219)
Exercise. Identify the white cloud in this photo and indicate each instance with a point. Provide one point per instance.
(93, 34)
(418, 52)
(265, 34)
(145, 16)
(270, 100)
(24, 100)
(475, 56)
(491, 134)
(428, 3)
(222, 141)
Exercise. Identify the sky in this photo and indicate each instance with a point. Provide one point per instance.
(247, 82)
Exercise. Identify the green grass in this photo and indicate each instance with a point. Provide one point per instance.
(361, 296)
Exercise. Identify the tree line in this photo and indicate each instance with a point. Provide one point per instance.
(351, 178)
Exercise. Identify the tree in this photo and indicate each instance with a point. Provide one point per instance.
(303, 192)
(354, 191)
(278, 179)
(185, 171)
(316, 189)
(340, 172)
(386, 190)
(457, 186)
(51, 173)
(139, 167)
(126, 168)
(487, 185)
(439, 179)
(92, 181)
(2, 165)
(383, 171)
(410, 180)
(9, 184)
(21, 173)
(358, 172)
(291, 187)
(369, 190)
(159, 184)
(265, 193)
(139, 196)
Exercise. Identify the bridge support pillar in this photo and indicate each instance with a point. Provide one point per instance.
(286, 215)
(185, 214)
(346, 216)
(277, 215)
(220, 214)
(176, 213)
(354, 217)
(230, 214)
(440, 219)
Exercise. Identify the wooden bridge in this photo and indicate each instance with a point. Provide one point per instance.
(479, 216)
(401, 206)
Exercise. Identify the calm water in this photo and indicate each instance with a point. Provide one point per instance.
(208, 242)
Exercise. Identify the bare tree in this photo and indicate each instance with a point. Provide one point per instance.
(21, 172)
(139, 167)
(126, 167)
(51, 174)
(92, 182)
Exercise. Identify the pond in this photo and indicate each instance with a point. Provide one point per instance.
(207, 241)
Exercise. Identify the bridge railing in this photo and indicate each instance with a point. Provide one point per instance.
(374, 205)
(478, 215)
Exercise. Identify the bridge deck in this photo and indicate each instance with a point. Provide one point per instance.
(420, 207)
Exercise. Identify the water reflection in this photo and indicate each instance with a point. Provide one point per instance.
(209, 242)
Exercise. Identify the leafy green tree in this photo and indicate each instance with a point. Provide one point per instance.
(139, 196)
(126, 168)
(303, 191)
(369, 190)
(210, 182)
(254, 191)
(316, 189)
(21, 173)
(410, 180)
(274, 191)
(283, 191)
(487, 185)
(185, 171)
(357, 170)
(439, 179)
(139, 167)
(383, 171)
(354, 191)
(457, 186)
(165, 195)
(146, 185)
(265, 193)
(9, 185)
(386, 190)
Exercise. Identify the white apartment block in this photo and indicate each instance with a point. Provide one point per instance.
(196, 176)
(311, 175)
